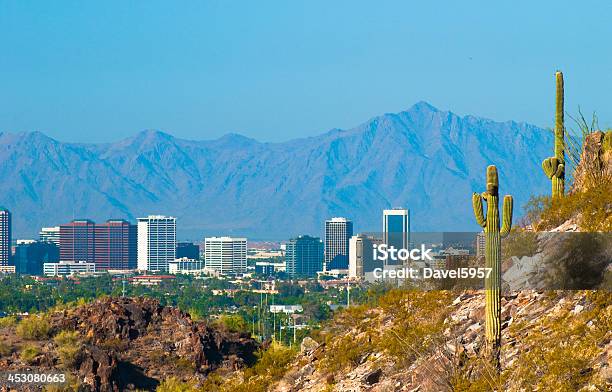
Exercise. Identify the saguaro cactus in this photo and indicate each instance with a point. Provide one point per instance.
(493, 234)
(554, 167)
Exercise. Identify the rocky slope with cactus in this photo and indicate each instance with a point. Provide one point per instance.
(551, 341)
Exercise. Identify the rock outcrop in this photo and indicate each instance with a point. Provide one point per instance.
(135, 343)
(537, 327)
(595, 161)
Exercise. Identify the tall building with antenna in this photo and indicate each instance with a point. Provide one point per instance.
(5, 237)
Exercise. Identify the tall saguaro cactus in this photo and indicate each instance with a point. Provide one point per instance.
(554, 167)
(493, 234)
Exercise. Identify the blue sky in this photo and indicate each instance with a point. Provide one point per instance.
(275, 70)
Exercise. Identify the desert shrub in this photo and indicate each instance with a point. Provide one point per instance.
(28, 353)
(563, 346)
(578, 261)
(417, 317)
(520, 243)
(418, 320)
(185, 364)
(232, 323)
(72, 384)
(271, 362)
(69, 347)
(269, 368)
(173, 384)
(535, 206)
(592, 208)
(33, 328)
(482, 377)
(115, 344)
(8, 322)
(5, 349)
(214, 382)
(345, 351)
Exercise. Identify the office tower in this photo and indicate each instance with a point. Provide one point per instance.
(77, 241)
(5, 236)
(156, 242)
(115, 245)
(50, 234)
(31, 255)
(396, 230)
(338, 231)
(304, 256)
(361, 255)
(226, 255)
(111, 245)
(188, 250)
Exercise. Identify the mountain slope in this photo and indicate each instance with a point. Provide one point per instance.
(425, 159)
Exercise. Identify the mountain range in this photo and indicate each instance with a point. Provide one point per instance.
(424, 159)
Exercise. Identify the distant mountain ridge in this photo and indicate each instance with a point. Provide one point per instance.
(423, 158)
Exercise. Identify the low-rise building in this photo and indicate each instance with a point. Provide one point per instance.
(185, 265)
(150, 280)
(287, 309)
(7, 269)
(68, 268)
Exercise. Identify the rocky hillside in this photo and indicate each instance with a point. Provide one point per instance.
(552, 341)
(122, 344)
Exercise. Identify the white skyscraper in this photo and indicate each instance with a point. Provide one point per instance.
(338, 231)
(226, 254)
(156, 242)
(361, 259)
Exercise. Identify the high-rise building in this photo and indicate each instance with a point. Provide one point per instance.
(31, 255)
(110, 245)
(338, 231)
(188, 250)
(77, 241)
(226, 255)
(304, 256)
(361, 255)
(5, 237)
(115, 245)
(396, 230)
(50, 234)
(156, 242)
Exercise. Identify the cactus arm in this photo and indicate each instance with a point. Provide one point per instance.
(560, 171)
(550, 166)
(506, 216)
(547, 167)
(477, 206)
